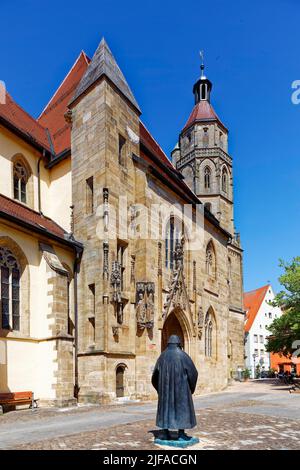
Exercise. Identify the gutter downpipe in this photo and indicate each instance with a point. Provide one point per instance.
(76, 266)
(39, 180)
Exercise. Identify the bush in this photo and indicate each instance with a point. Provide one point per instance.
(246, 374)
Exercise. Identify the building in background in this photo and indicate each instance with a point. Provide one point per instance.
(259, 315)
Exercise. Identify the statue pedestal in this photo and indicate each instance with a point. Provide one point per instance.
(180, 443)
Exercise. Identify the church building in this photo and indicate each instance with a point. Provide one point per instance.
(99, 260)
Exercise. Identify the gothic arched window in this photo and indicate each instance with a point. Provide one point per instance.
(224, 180)
(173, 234)
(10, 290)
(210, 260)
(207, 177)
(208, 332)
(21, 177)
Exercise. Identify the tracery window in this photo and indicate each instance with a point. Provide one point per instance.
(10, 290)
(207, 177)
(209, 325)
(20, 181)
(224, 180)
(173, 234)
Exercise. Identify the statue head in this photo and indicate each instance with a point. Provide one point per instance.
(174, 339)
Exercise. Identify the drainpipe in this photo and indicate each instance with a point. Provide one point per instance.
(39, 181)
(76, 266)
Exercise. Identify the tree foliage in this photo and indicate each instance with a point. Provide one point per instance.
(285, 330)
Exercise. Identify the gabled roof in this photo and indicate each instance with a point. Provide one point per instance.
(15, 118)
(148, 140)
(252, 303)
(52, 117)
(104, 63)
(202, 112)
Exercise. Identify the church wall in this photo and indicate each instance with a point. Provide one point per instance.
(55, 183)
(96, 137)
(59, 199)
(34, 359)
(12, 147)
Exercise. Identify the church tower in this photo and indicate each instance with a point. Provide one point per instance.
(201, 156)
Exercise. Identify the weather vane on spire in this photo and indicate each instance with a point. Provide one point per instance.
(202, 63)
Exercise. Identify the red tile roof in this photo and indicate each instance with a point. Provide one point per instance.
(153, 146)
(160, 162)
(252, 303)
(35, 219)
(52, 117)
(202, 111)
(14, 115)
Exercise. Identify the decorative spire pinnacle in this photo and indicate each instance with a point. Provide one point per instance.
(203, 86)
(104, 63)
(202, 64)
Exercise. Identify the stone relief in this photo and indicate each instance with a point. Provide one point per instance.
(145, 304)
(115, 281)
(200, 322)
(177, 296)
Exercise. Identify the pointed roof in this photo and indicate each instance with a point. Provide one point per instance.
(17, 119)
(202, 112)
(52, 117)
(252, 303)
(104, 63)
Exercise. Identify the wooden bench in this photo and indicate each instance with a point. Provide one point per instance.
(17, 398)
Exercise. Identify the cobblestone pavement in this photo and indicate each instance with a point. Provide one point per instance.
(246, 416)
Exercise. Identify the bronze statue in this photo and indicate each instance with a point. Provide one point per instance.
(174, 378)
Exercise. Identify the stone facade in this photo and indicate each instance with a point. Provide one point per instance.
(100, 296)
(99, 117)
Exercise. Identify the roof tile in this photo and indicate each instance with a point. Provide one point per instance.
(21, 212)
(252, 303)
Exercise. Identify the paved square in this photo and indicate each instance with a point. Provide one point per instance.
(252, 415)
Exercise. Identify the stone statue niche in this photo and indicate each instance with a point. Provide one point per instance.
(145, 305)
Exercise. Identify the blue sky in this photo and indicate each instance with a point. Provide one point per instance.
(251, 51)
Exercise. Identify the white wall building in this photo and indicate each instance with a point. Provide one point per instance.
(259, 315)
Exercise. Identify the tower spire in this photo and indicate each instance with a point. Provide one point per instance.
(203, 86)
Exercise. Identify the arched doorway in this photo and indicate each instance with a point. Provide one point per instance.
(171, 327)
(120, 370)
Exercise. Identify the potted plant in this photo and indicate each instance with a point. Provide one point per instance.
(246, 374)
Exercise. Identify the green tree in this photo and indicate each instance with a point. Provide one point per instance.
(285, 330)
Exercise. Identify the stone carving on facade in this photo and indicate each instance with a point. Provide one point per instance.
(200, 322)
(105, 260)
(132, 269)
(145, 305)
(68, 116)
(115, 331)
(177, 296)
(116, 282)
(159, 270)
(106, 209)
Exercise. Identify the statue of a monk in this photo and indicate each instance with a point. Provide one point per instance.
(174, 378)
